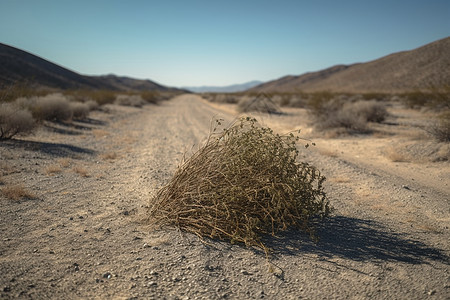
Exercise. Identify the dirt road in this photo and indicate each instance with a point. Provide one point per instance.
(84, 235)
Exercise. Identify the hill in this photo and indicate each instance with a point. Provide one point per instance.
(421, 68)
(224, 89)
(20, 66)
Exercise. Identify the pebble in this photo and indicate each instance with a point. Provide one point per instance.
(107, 275)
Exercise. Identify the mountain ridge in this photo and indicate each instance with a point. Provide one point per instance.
(19, 66)
(224, 89)
(425, 67)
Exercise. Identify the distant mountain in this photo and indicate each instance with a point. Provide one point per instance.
(224, 89)
(421, 68)
(20, 66)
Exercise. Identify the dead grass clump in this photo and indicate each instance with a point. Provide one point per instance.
(242, 184)
(262, 103)
(130, 100)
(17, 192)
(53, 107)
(353, 116)
(80, 110)
(109, 155)
(152, 97)
(14, 121)
(80, 171)
(53, 169)
(440, 129)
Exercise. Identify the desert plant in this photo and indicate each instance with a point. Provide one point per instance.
(129, 100)
(80, 110)
(53, 107)
(17, 192)
(353, 116)
(14, 121)
(244, 182)
(440, 129)
(9, 93)
(371, 111)
(433, 98)
(150, 97)
(261, 103)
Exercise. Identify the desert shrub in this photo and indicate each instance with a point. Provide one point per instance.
(102, 97)
(261, 103)
(440, 129)
(352, 116)
(11, 92)
(17, 192)
(80, 110)
(14, 121)
(53, 107)
(222, 98)
(130, 100)
(371, 111)
(318, 100)
(92, 105)
(374, 96)
(433, 98)
(150, 97)
(244, 182)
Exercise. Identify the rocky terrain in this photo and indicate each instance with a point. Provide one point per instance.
(81, 231)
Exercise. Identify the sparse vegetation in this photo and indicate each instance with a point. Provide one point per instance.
(14, 121)
(53, 107)
(81, 171)
(130, 100)
(332, 113)
(243, 183)
(440, 129)
(260, 103)
(17, 192)
(80, 110)
(109, 155)
(53, 169)
(151, 97)
(434, 98)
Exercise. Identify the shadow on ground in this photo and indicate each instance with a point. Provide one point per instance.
(358, 240)
(53, 149)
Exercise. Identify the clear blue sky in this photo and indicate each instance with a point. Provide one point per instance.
(192, 43)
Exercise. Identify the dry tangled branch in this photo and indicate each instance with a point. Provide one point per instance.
(243, 183)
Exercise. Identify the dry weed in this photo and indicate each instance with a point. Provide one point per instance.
(17, 192)
(81, 171)
(14, 121)
(243, 183)
(109, 156)
(53, 169)
(64, 162)
(396, 155)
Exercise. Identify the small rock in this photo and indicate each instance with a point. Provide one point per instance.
(432, 292)
(152, 283)
(7, 289)
(126, 213)
(107, 275)
(80, 217)
(406, 187)
(244, 272)
(146, 245)
(139, 258)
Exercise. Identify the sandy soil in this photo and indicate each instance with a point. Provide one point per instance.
(84, 235)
